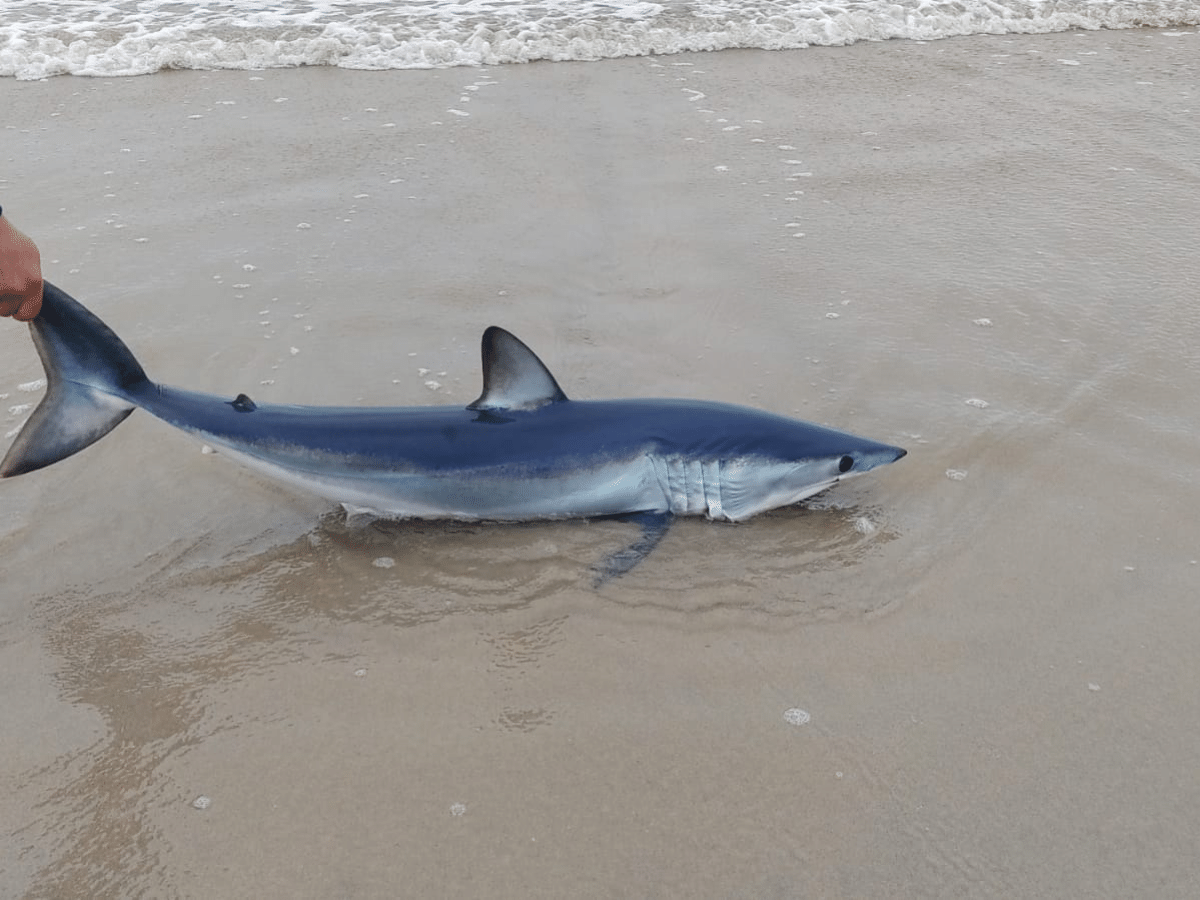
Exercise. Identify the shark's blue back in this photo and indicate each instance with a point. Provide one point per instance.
(550, 438)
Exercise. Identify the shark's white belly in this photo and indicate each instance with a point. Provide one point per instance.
(732, 490)
(598, 490)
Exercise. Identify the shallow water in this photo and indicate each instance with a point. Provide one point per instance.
(998, 672)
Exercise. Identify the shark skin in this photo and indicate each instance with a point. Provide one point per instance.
(521, 451)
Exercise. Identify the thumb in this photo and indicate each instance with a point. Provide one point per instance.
(29, 309)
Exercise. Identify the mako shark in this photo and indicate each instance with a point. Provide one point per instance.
(521, 451)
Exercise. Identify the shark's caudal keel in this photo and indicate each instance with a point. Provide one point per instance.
(521, 451)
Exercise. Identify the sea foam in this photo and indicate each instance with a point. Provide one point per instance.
(135, 37)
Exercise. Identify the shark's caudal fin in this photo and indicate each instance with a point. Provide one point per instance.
(513, 376)
(89, 373)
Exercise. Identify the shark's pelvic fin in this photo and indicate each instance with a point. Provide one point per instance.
(513, 376)
(88, 374)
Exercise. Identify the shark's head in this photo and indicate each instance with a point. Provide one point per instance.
(865, 457)
(816, 472)
(798, 461)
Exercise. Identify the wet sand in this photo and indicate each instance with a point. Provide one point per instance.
(1000, 674)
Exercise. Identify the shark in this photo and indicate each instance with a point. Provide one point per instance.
(521, 451)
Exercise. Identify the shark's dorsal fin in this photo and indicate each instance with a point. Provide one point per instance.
(513, 376)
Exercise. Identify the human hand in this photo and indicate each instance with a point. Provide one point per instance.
(20, 274)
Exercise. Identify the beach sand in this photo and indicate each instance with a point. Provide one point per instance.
(994, 640)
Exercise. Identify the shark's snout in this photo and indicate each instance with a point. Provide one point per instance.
(861, 460)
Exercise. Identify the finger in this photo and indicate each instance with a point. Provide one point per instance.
(29, 309)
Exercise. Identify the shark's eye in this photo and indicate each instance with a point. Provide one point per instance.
(845, 464)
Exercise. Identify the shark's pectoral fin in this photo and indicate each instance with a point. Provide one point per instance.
(513, 376)
(654, 526)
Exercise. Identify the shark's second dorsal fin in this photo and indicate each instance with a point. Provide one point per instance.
(513, 376)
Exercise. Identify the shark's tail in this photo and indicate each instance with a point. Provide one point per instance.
(89, 377)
